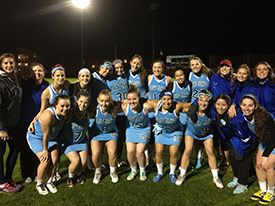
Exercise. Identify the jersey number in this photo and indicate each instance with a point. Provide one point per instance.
(121, 95)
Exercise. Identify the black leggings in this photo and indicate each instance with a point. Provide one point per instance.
(14, 146)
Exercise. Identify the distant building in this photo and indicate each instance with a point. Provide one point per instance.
(173, 60)
(25, 59)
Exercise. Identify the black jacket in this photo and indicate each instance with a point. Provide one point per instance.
(10, 101)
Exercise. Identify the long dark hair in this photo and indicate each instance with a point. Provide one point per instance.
(227, 99)
(260, 117)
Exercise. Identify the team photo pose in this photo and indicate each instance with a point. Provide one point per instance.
(75, 138)
(43, 141)
(138, 131)
(242, 143)
(31, 103)
(168, 131)
(202, 131)
(10, 104)
(118, 85)
(104, 131)
(137, 75)
(261, 123)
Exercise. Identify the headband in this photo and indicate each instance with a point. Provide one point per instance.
(206, 94)
(57, 68)
(117, 61)
(107, 64)
(251, 96)
(84, 70)
(165, 93)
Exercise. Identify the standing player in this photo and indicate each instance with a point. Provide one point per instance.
(104, 131)
(138, 131)
(202, 131)
(43, 141)
(118, 85)
(168, 131)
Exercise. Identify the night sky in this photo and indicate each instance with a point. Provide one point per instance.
(224, 28)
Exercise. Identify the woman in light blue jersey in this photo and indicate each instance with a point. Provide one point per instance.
(202, 131)
(168, 131)
(104, 131)
(137, 75)
(43, 141)
(138, 131)
(75, 138)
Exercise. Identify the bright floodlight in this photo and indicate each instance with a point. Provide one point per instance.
(81, 3)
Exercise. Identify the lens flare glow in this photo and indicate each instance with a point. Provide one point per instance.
(81, 3)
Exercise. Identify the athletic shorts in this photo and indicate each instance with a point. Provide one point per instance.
(138, 135)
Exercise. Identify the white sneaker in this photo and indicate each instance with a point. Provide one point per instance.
(42, 190)
(57, 176)
(180, 180)
(28, 180)
(97, 178)
(131, 176)
(114, 177)
(142, 176)
(51, 187)
(218, 182)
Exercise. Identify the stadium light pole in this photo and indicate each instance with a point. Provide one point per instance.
(82, 4)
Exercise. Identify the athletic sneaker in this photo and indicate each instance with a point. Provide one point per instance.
(51, 187)
(218, 182)
(14, 184)
(70, 182)
(198, 166)
(180, 180)
(114, 177)
(240, 189)
(258, 195)
(131, 175)
(79, 180)
(157, 178)
(173, 178)
(42, 190)
(267, 198)
(97, 178)
(142, 176)
(233, 183)
(8, 189)
(28, 180)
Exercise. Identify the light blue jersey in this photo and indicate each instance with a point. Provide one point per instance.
(135, 80)
(35, 139)
(156, 86)
(139, 127)
(171, 128)
(104, 127)
(201, 130)
(54, 94)
(198, 83)
(118, 87)
(181, 94)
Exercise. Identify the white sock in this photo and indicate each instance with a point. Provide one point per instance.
(270, 190)
(160, 168)
(142, 169)
(71, 175)
(172, 169)
(134, 169)
(112, 169)
(49, 180)
(263, 186)
(214, 173)
(199, 153)
(39, 182)
(183, 171)
(98, 170)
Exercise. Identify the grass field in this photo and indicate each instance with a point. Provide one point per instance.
(198, 189)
